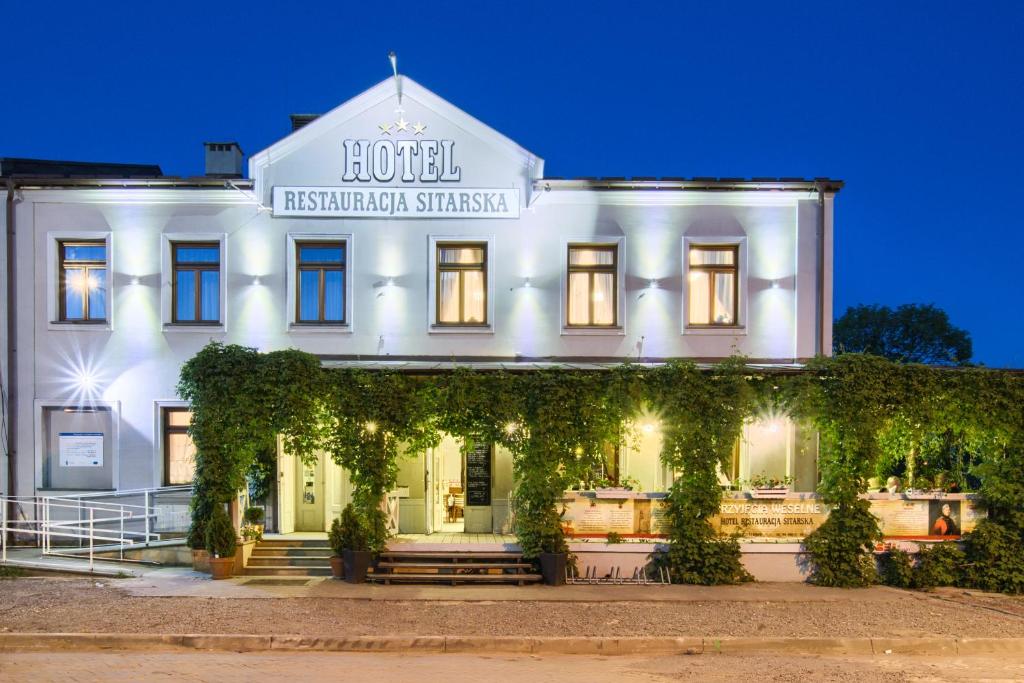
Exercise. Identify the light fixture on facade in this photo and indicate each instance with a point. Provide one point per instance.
(370, 427)
(647, 428)
(527, 283)
(256, 281)
(135, 280)
(86, 380)
(511, 428)
(775, 284)
(389, 282)
(652, 284)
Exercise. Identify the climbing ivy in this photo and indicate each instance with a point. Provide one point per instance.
(873, 416)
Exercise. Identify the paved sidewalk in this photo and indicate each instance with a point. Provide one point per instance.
(181, 582)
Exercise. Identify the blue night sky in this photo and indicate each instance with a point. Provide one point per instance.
(917, 106)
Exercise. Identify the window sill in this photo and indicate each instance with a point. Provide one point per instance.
(617, 331)
(716, 331)
(460, 329)
(313, 328)
(194, 327)
(67, 325)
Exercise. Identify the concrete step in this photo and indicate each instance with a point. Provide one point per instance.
(453, 557)
(287, 571)
(260, 551)
(520, 579)
(323, 561)
(297, 543)
(453, 565)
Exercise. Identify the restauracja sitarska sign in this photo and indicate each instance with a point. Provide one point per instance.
(424, 164)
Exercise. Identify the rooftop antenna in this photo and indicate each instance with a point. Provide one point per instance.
(393, 58)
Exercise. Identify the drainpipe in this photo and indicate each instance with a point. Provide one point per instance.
(819, 328)
(12, 364)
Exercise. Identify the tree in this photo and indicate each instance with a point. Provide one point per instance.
(912, 333)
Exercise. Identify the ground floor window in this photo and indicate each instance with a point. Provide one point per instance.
(179, 452)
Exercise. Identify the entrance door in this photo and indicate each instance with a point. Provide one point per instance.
(309, 496)
(285, 490)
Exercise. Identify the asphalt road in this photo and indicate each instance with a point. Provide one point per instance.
(310, 667)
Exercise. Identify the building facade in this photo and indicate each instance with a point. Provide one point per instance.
(394, 231)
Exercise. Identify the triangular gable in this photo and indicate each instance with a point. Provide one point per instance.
(283, 164)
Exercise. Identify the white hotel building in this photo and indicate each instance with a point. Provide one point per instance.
(394, 231)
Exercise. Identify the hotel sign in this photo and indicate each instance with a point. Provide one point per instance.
(426, 165)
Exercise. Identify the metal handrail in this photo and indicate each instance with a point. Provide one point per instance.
(45, 528)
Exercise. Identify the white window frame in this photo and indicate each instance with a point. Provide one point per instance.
(39, 407)
(433, 241)
(167, 281)
(158, 436)
(620, 286)
(292, 290)
(742, 291)
(53, 240)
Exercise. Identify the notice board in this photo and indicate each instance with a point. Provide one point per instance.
(478, 475)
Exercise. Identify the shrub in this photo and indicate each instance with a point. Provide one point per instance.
(940, 564)
(254, 515)
(349, 532)
(897, 568)
(614, 537)
(993, 558)
(220, 533)
(842, 549)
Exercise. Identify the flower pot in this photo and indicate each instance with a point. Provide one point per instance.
(201, 561)
(552, 568)
(336, 567)
(357, 563)
(222, 567)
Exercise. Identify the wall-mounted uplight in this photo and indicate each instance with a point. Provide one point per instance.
(652, 284)
(135, 280)
(256, 281)
(86, 381)
(527, 283)
(775, 284)
(647, 428)
(389, 282)
(370, 427)
(511, 428)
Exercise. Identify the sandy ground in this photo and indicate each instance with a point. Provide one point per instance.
(89, 605)
(312, 667)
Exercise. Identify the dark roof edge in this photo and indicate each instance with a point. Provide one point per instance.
(199, 182)
(712, 184)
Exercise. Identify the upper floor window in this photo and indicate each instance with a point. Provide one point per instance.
(713, 285)
(83, 281)
(320, 282)
(196, 282)
(179, 452)
(592, 299)
(461, 284)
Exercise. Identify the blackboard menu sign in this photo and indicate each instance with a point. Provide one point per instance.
(478, 475)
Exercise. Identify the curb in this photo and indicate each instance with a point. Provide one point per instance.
(225, 642)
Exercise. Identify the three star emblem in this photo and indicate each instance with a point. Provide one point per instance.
(401, 126)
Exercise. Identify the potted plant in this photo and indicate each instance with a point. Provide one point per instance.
(253, 517)
(354, 540)
(221, 543)
(763, 486)
(554, 553)
(337, 542)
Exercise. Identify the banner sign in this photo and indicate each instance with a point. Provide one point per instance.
(396, 202)
(478, 475)
(942, 516)
(80, 449)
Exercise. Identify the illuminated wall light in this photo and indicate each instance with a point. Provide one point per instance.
(135, 280)
(527, 283)
(389, 282)
(256, 281)
(647, 428)
(775, 284)
(370, 427)
(511, 428)
(652, 284)
(86, 380)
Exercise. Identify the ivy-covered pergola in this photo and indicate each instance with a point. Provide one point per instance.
(870, 413)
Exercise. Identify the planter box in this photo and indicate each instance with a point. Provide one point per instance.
(242, 554)
(552, 567)
(337, 567)
(201, 561)
(357, 563)
(774, 493)
(222, 567)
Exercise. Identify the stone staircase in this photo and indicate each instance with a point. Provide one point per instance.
(453, 567)
(282, 557)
